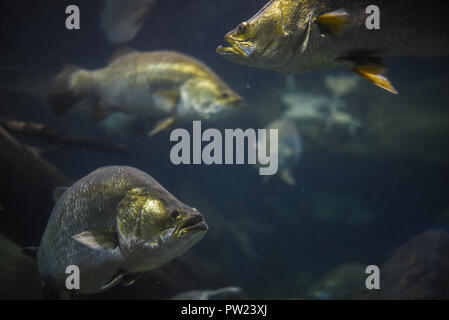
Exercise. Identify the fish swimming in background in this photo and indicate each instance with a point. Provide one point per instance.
(162, 84)
(227, 293)
(114, 224)
(289, 148)
(295, 36)
(122, 20)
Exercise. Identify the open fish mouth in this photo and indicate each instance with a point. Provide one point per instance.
(239, 48)
(193, 224)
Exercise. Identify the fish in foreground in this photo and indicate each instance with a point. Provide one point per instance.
(114, 224)
(122, 20)
(163, 84)
(296, 36)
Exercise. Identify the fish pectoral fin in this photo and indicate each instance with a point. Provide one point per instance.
(305, 42)
(162, 125)
(166, 99)
(121, 277)
(116, 279)
(120, 52)
(129, 278)
(57, 193)
(100, 112)
(373, 70)
(98, 239)
(333, 22)
(30, 252)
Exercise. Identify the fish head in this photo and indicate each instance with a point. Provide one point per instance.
(271, 36)
(207, 96)
(154, 224)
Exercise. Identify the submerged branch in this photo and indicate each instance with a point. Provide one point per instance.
(38, 130)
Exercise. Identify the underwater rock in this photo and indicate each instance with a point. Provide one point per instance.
(418, 269)
(19, 275)
(344, 282)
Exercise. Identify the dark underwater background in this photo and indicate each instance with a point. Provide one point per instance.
(357, 199)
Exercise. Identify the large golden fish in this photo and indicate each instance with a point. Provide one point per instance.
(163, 84)
(295, 36)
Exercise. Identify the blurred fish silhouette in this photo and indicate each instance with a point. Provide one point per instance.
(122, 20)
(168, 84)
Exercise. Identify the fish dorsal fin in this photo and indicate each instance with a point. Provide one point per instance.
(161, 125)
(123, 51)
(373, 70)
(334, 22)
(57, 193)
(30, 252)
(98, 239)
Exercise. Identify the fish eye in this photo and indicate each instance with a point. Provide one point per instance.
(225, 95)
(242, 27)
(174, 214)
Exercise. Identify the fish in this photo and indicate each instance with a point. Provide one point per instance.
(296, 36)
(226, 293)
(113, 224)
(164, 84)
(121, 20)
(289, 148)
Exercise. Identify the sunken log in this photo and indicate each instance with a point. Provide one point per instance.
(39, 130)
(27, 182)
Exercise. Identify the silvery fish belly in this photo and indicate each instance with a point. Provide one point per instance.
(301, 35)
(114, 224)
(167, 84)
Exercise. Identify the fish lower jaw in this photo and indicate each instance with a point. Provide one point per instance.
(198, 227)
(224, 51)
